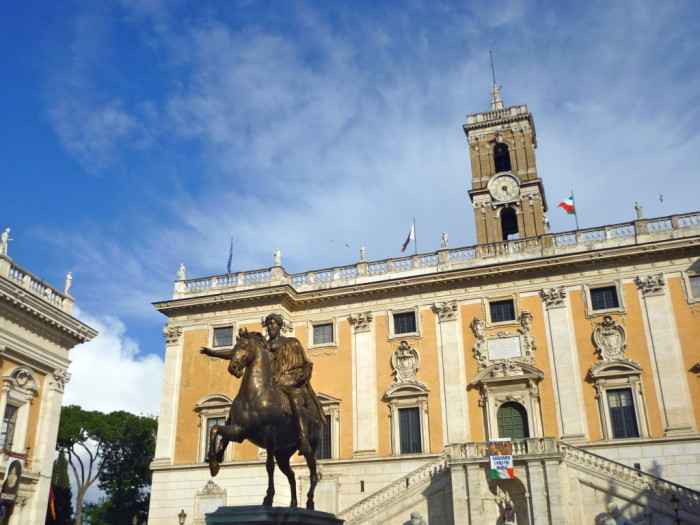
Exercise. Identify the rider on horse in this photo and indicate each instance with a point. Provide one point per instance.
(292, 373)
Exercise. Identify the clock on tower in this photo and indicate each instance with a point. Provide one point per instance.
(507, 194)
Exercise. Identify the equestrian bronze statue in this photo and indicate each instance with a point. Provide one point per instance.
(275, 408)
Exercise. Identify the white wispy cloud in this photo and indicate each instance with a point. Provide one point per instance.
(110, 373)
(337, 127)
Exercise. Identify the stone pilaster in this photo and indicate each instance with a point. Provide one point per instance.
(364, 377)
(666, 356)
(167, 418)
(475, 480)
(565, 370)
(458, 479)
(555, 493)
(455, 412)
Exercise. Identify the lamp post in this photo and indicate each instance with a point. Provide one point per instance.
(675, 502)
(182, 517)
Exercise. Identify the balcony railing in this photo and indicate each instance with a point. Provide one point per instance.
(34, 285)
(637, 232)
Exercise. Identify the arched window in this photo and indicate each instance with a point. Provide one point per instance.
(501, 157)
(509, 223)
(512, 421)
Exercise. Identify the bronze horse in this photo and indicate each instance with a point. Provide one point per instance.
(260, 413)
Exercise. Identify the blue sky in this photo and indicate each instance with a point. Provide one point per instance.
(137, 135)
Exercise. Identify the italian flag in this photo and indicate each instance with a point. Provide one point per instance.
(568, 205)
(502, 467)
(506, 473)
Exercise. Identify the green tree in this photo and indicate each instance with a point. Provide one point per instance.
(126, 473)
(63, 495)
(115, 448)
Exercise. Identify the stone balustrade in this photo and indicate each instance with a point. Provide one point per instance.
(411, 481)
(34, 285)
(638, 232)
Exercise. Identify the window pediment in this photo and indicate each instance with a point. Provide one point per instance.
(623, 366)
(508, 371)
(213, 401)
(397, 390)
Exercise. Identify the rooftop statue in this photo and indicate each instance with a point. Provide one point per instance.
(275, 408)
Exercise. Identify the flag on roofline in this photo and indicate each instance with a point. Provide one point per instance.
(411, 236)
(568, 205)
(230, 257)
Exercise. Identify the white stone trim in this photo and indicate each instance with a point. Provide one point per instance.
(617, 376)
(213, 405)
(617, 284)
(212, 327)
(486, 305)
(310, 334)
(331, 407)
(405, 395)
(390, 318)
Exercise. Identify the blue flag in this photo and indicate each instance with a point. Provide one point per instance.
(230, 256)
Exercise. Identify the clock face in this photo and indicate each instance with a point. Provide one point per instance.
(504, 187)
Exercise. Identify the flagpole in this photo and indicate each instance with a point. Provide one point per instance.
(575, 210)
(415, 237)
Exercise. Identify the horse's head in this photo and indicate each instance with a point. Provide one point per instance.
(248, 346)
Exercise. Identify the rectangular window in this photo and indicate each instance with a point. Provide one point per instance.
(221, 421)
(405, 323)
(323, 333)
(409, 428)
(502, 311)
(324, 450)
(622, 415)
(223, 336)
(604, 298)
(695, 286)
(7, 431)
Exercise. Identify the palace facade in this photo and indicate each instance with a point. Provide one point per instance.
(581, 346)
(37, 332)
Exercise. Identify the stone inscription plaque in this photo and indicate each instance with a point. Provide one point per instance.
(504, 347)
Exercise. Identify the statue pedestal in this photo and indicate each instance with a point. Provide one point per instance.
(259, 515)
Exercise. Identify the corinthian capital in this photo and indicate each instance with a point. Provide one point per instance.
(553, 297)
(172, 335)
(446, 311)
(651, 284)
(361, 321)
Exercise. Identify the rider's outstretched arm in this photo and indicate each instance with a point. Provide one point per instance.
(223, 354)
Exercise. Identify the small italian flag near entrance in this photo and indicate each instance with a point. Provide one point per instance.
(502, 467)
(568, 205)
(501, 456)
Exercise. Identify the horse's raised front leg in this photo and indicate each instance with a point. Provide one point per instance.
(282, 457)
(215, 455)
(313, 479)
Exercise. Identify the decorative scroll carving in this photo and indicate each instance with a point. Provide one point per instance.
(529, 346)
(610, 339)
(504, 348)
(446, 311)
(211, 488)
(553, 297)
(172, 335)
(405, 361)
(361, 321)
(478, 326)
(61, 378)
(651, 284)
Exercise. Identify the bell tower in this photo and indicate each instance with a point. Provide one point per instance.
(507, 194)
